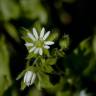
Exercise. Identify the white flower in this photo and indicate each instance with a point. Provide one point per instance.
(83, 93)
(38, 42)
(29, 78)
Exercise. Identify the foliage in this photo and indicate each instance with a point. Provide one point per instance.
(58, 73)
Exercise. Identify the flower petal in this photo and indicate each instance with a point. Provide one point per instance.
(40, 51)
(48, 43)
(33, 78)
(35, 33)
(32, 49)
(42, 33)
(46, 47)
(46, 35)
(25, 77)
(28, 76)
(31, 36)
(36, 50)
(28, 44)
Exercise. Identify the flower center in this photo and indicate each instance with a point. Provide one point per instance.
(39, 43)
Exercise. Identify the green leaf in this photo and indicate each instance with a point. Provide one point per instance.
(28, 9)
(5, 78)
(43, 60)
(46, 52)
(64, 42)
(12, 31)
(46, 68)
(51, 61)
(60, 53)
(20, 75)
(53, 35)
(31, 55)
(65, 93)
(35, 91)
(9, 9)
(44, 81)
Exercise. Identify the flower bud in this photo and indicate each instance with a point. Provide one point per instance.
(29, 78)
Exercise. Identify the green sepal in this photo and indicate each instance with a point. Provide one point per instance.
(23, 85)
(20, 75)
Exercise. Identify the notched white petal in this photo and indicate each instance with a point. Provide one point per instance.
(36, 50)
(28, 44)
(31, 36)
(42, 33)
(40, 51)
(28, 77)
(48, 43)
(32, 49)
(35, 33)
(46, 47)
(33, 78)
(46, 35)
(25, 77)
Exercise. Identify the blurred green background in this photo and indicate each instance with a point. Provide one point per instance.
(73, 17)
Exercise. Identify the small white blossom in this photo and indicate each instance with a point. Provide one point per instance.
(29, 78)
(83, 93)
(38, 42)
